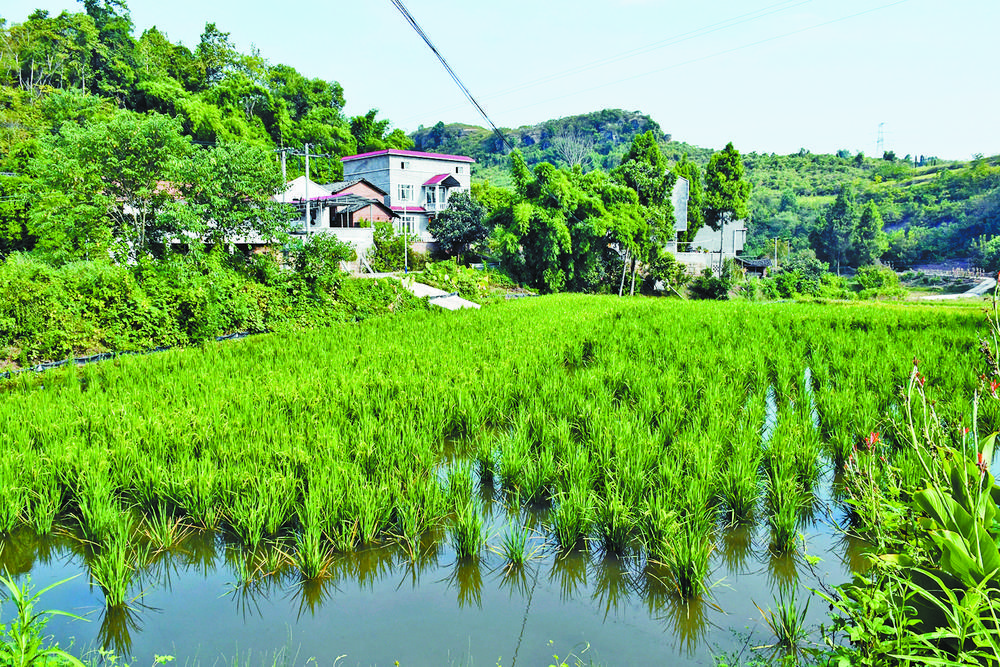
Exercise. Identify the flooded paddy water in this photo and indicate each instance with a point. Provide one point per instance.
(379, 606)
(293, 498)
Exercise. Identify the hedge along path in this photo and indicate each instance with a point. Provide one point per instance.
(639, 421)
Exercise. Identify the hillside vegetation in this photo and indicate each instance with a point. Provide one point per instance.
(932, 210)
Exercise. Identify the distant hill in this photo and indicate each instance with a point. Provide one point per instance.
(595, 140)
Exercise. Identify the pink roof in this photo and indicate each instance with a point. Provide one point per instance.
(437, 179)
(393, 151)
(410, 209)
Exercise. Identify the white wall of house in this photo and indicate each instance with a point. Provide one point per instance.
(403, 174)
(679, 197)
(732, 238)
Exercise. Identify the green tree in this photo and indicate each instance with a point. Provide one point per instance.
(226, 193)
(560, 231)
(727, 192)
(835, 238)
(105, 179)
(371, 134)
(870, 241)
(459, 226)
(644, 170)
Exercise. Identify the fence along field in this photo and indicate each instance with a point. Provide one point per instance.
(640, 428)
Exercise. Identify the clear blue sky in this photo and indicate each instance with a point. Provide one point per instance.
(764, 74)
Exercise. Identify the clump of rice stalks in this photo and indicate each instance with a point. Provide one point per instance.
(539, 475)
(783, 502)
(615, 523)
(44, 504)
(686, 555)
(514, 546)
(100, 513)
(198, 494)
(163, 529)
(787, 624)
(13, 498)
(116, 563)
(459, 485)
(738, 488)
(313, 555)
(466, 532)
(573, 517)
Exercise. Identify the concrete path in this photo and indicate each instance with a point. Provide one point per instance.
(984, 286)
(438, 297)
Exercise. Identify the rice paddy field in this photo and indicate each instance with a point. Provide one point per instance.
(618, 481)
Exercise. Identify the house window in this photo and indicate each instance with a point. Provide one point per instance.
(405, 164)
(408, 224)
(431, 196)
(405, 192)
(460, 170)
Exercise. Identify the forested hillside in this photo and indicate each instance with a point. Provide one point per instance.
(64, 78)
(931, 210)
(930, 213)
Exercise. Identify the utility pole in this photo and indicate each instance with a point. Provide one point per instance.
(307, 192)
(284, 177)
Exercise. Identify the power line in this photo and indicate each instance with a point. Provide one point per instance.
(413, 23)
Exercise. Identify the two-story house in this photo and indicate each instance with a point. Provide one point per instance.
(418, 184)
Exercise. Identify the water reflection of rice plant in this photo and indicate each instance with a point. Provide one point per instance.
(613, 583)
(117, 626)
(786, 622)
(569, 570)
(736, 547)
(466, 579)
(689, 620)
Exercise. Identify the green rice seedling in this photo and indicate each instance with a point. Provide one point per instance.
(197, 494)
(459, 485)
(787, 624)
(13, 496)
(115, 564)
(410, 523)
(738, 487)
(573, 517)
(615, 523)
(163, 529)
(514, 546)
(247, 520)
(783, 500)
(539, 477)
(687, 555)
(312, 555)
(44, 504)
(100, 513)
(485, 463)
(373, 507)
(657, 526)
(466, 532)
